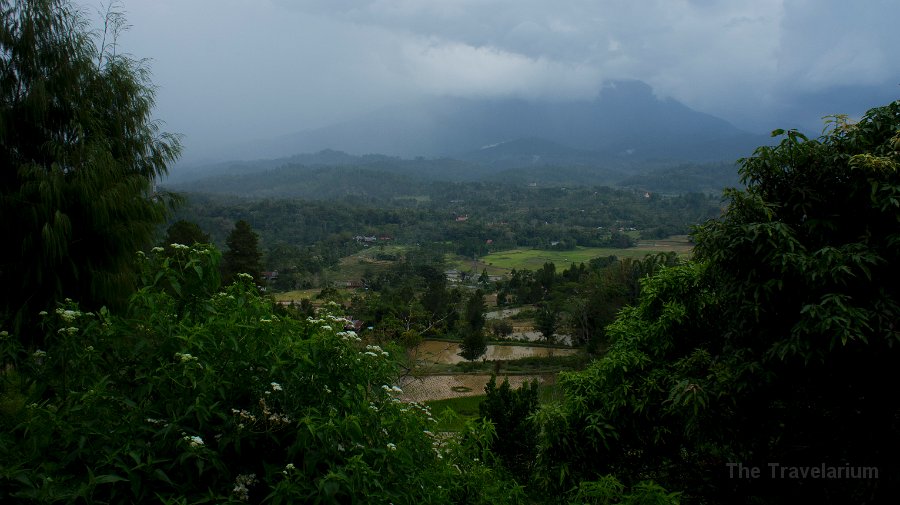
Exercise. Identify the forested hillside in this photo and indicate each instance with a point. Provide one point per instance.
(333, 174)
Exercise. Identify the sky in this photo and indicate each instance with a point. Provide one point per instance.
(230, 71)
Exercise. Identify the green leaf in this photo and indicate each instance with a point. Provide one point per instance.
(108, 479)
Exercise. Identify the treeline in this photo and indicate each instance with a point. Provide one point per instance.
(413, 299)
(334, 175)
(584, 298)
(463, 218)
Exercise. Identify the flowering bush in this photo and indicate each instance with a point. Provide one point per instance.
(194, 395)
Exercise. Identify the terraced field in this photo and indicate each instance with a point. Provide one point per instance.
(425, 386)
(433, 351)
(442, 387)
(501, 262)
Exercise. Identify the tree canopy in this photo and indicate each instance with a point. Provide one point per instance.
(80, 156)
(777, 344)
(185, 233)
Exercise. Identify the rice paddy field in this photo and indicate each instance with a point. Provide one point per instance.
(531, 259)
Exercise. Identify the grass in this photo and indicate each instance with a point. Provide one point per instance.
(532, 259)
(453, 413)
(530, 365)
(297, 294)
(460, 409)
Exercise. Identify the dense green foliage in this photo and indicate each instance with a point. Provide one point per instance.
(584, 298)
(79, 155)
(194, 395)
(775, 346)
(510, 411)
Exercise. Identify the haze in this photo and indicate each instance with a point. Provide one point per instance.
(231, 71)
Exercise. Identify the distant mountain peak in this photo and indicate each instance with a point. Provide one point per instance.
(625, 117)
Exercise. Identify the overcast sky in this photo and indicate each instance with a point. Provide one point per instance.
(233, 70)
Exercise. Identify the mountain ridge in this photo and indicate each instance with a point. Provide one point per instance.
(624, 121)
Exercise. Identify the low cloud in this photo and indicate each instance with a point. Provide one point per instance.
(457, 69)
(235, 69)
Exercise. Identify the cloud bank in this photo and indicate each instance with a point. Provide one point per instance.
(242, 69)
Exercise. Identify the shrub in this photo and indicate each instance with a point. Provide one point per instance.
(195, 399)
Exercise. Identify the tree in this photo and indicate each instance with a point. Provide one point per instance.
(80, 156)
(474, 343)
(242, 255)
(474, 315)
(501, 328)
(773, 345)
(186, 233)
(545, 321)
(510, 411)
(484, 280)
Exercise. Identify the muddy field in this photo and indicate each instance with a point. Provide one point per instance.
(440, 387)
(431, 351)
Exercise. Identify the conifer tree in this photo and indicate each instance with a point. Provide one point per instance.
(243, 254)
(474, 343)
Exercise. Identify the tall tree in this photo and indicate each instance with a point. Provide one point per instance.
(546, 321)
(80, 156)
(243, 254)
(474, 343)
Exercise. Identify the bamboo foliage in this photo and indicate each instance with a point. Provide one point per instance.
(79, 155)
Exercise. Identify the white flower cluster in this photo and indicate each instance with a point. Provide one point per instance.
(179, 247)
(391, 446)
(185, 357)
(241, 486)
(244, 416)
(68, 315)
(279, 418)
(71, 330)
(156, 249)
(245, 276)
(194, 440)
(391, 389)
(276, 386)
(156, 422)
(273, 416)
(374, 350)
(349, 335)
(416, 406)
(289, 468)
